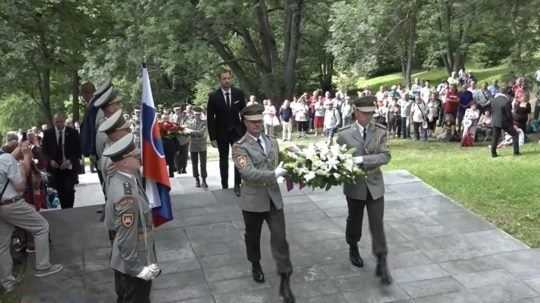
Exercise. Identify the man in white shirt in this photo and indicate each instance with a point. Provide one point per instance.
(14, 211)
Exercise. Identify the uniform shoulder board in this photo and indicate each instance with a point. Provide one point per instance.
(345, 128)
(380, 125)
(241, 140)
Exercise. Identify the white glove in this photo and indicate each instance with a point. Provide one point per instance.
(156, 271)
(146, 274)
(358, 160)
(280, 171)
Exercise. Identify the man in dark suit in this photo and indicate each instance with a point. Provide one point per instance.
(224, 126)
(62, 148)
(501, 119)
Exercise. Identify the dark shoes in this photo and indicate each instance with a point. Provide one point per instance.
(285, 289)
(197, 182)
(204, 185)
(381, 271)
(237, 190)
(354, 256)
(256, 271)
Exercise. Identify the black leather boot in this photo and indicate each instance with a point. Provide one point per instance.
(257, 272)
(197, 182)
(204, 185)
(382, 270)
(285, 289)
(354, 256)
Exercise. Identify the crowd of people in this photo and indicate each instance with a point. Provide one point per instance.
(457, 109)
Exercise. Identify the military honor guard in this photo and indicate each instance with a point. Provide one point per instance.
(129, 217)
(368, 139)
(115, 127)
(108, 103)
(255, 156)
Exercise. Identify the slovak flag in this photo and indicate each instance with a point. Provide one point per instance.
(153, 157)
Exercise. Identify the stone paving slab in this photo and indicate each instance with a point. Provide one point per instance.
(439, 252)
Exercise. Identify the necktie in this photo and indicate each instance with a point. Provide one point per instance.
(228, 99)
(364, 134)
(60, 145)
(260, 144)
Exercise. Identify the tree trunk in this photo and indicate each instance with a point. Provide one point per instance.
(411, 43)
(327, 70)
(294, 14)
(75, 95)
(45, 93)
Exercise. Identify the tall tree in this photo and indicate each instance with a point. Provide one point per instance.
(44, 39)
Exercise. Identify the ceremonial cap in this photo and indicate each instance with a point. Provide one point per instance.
(101, 90)
(121, 148)
(108, 97)
(365, 104)
(114, 122)
(252, 112)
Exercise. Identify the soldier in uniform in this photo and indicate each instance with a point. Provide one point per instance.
(129, 217)
(108, 103)
(196, 128)
(255, 156)
(115, 127)
(368, 139)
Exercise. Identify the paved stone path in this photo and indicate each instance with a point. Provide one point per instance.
(439, 252)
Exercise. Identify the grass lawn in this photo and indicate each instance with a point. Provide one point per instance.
(435, 76)
(504, 190)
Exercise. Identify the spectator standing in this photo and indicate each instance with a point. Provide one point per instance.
(522, 110)
(405, 104)
(433, 112)
(62, 149)
(331, 122)
(465, 101)
(419, 118)
(301, 112)
(470, 122)
(451, 108)
(285, 115)
(395, 118)
(269, 117)
(319, 116)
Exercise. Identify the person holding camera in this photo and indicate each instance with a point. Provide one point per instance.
(14, 211)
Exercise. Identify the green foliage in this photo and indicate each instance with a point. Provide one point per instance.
(19, 112)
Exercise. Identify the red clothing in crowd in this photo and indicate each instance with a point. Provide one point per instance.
(452, 102)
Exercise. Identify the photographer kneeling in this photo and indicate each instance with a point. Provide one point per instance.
(14, 211)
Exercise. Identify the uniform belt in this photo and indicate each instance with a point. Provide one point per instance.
(257, 184)
(11, 200)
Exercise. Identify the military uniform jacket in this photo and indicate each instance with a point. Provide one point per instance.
(128, 215)
(375, 153)
(198, 136)
(259, 186)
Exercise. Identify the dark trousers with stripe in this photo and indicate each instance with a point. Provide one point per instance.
(278, 241)
(353, 231)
